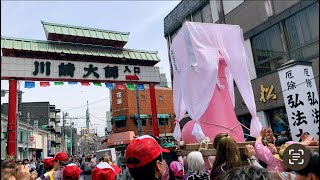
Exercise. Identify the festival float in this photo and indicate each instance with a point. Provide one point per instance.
(206, 60)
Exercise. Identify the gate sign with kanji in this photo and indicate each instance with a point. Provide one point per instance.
(301, 100)
(65, 70)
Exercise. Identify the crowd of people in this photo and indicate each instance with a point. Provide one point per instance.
(143, 159)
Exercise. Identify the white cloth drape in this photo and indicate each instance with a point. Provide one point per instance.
(194, 54)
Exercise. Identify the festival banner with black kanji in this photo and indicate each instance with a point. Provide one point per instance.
(75, 71)
(301, 100)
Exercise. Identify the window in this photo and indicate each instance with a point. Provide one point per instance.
(143, 122)
(160, 98)
(229, 5)
(303, 27)
(267, 44)
(206, 13)
(268, 51)
(163, 121)
(119, 101)
(143, 97)
(121, 124)
(119, 95)
(197, 16)
(214, 11)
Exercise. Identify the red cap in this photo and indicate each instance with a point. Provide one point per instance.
(48, 162)
(143, 150)
(71, 171)
(61, 156)
(104, 171)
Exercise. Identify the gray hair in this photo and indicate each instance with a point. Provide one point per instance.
(195, 161)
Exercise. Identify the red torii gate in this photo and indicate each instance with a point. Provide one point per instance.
(99, 47)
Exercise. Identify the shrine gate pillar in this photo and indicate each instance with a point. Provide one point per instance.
(12, 118)
(155, 125)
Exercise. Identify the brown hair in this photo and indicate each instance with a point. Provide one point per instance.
(7, 173)
(227, 152)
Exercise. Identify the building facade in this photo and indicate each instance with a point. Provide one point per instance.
(38, 140)
(44, 116)
(274, 33)
(124, 111)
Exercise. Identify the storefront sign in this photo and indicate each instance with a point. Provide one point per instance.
(266, 93)
(45, 69)
(301, 100)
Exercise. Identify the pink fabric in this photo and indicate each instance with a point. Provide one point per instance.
(177, 168)
(219, 117)
(264, 154)
(194, 54)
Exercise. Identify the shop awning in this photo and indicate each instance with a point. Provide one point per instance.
(120, 138)
(163, 116)
(119, 118)
(142, 116)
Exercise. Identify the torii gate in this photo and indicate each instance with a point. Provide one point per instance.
(75, 54)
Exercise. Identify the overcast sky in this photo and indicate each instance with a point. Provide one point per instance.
(143, 19)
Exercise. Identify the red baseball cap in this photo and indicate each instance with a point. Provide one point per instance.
(143, 150)
(71, 171)
(48, 162)
(61, 156)
(104, 171)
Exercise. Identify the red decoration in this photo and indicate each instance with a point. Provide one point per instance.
(44, 84)
(120, 86)
(132, 77)
(85, 83)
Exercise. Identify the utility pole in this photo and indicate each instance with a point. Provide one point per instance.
(138, 113)
(71, 130)
(63, 138)
(87, 126)
(18, 117)
(28, 134)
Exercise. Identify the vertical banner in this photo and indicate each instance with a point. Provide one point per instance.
(301, 100)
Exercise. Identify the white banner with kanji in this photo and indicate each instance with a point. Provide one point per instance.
(66, 70)
(301, 100)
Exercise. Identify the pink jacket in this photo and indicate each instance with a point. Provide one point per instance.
(264, 154)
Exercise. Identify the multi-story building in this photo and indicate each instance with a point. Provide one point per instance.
(42, 115)
(124, 111)
(37, 138)
(274, 33)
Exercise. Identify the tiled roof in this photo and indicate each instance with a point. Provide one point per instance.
(76, 49)
(85, 32)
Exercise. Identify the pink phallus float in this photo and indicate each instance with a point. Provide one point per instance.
(206, 59)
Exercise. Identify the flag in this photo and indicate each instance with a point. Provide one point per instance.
(58, 83)
(140, 87)
(109, 85)
(120, 86)
(85, 83)
(72, 83)
(44, 84)
(131, 87)
(29, 84)
(97, 84)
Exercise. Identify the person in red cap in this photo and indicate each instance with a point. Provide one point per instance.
(144, 158)
(48, 164)
(60, 161)
(105, 171)
(71, 172)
